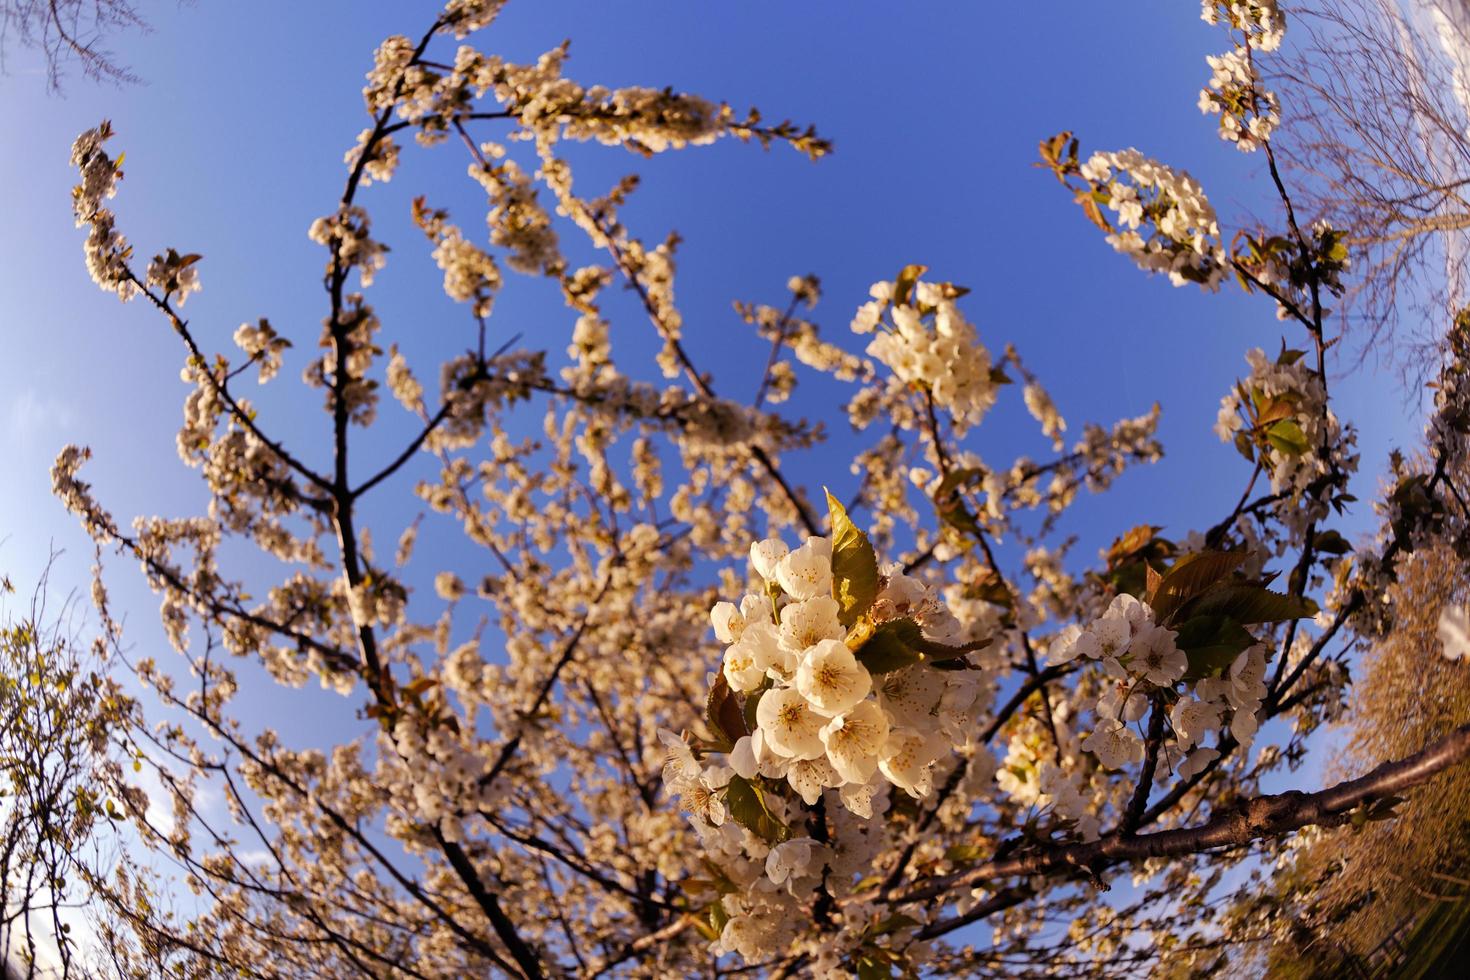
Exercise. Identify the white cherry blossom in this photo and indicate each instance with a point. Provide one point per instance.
(855, 741)
(807, 572)
(830, 678)
(1152, 654)
(805, 624)
(791, 727)
(766, 555)
(1192, 719)
(1115, 745)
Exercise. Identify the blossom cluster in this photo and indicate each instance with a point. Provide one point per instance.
(470, 273)
(1279, 416)
(1164, 221)
(1262, 21)
(926, 341)
(1140, 660)
(849, 725)
(823, 719)
(174, 274)
(348, 234)
(263, 346)
(1248, 113)
(107, 251)
(840, 701)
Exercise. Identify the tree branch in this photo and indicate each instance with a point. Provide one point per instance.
(1264, 816)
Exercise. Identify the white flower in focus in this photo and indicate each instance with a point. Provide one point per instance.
(1244, 724)
(1454, 631)
(1110, 636)
(805, 624)
(1115, 745)
(807, 572)
(1248, 678)
(727, 621)
(756, 652)
(1120, 702)
(764, 555)
(701, 795)
(855, 740)
(746, 935)
(902, 595)
(1128, 608)
(790, 725)
(831, 679)
(1154, 654)
(1192, 719)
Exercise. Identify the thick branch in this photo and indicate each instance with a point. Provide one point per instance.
(1264, 816)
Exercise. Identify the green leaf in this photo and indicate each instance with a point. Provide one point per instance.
(712, 923)
(854, 566)
(899, 643)
(869, 968)
(1191, 575)
(1151, 578)
(419, 686)
(1287, 437)
(1247, 603)
(954, 663)
(746, 803)
(891, 647)
(1383, 809)
(1331, 543)
(1211, 643)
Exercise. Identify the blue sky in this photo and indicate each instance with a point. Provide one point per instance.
(234, 144)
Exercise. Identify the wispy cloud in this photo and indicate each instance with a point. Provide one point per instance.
(32, 413)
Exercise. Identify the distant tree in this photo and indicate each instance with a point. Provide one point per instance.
(70, 32)
(1379, 134)
(57, 718)
(917, 712)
